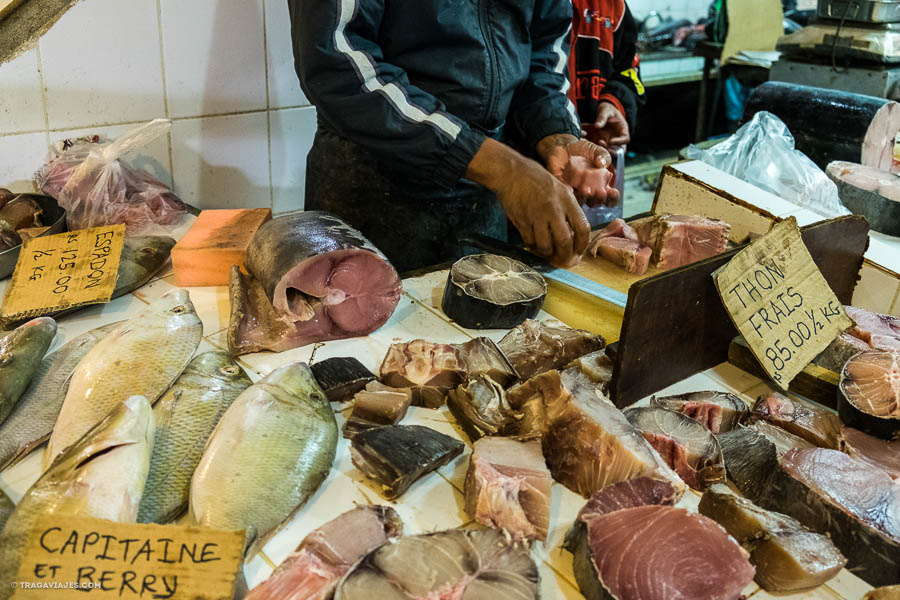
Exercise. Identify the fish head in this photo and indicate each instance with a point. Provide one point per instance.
(176, 309)
(103, 474)
(297, 380)
(149, 252)
(219, 366)
(28, 342)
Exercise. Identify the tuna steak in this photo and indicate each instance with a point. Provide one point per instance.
(678, 240)
(470, 565)
(322, 278)
(313, 570)
(429, 370)
(508, 487)
(813, 423)
(869, 392)
(535, 346)
(872, 331)
(717, 411)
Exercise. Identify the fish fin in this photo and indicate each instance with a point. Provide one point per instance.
(24, 451)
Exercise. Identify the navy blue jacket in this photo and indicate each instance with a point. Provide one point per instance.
(421, 83)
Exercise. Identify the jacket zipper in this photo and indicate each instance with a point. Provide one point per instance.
(492, 61)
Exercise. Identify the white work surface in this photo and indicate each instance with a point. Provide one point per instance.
(436, 501)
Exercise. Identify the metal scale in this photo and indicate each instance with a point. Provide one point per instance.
(852, 45)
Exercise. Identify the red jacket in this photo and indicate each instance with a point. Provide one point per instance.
(603, 62)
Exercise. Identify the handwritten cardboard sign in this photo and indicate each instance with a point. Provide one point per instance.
(64, 270)
(78, 557)
(780, 302)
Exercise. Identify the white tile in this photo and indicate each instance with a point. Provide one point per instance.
(102, 64)
(153, 158)
(21, 105)
(292, 133)
(284, 86)
(222, 162)
(214, 56)
(20, 156)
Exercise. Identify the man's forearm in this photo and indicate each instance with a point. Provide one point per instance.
(493, 161)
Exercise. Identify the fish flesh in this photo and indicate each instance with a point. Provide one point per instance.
(482, 356)
(429, 370)
(269, 453)
(185, 417)
(782, 439)
(855, 504)
(21, 353)
(868, 191)
(587, 442)
(617, 228)
(872, 450)
(375, 406)
(341, 377)
(508, 487)
(314, 569)
(677, 240)
(488, 291)
(750, 461)
(465, 564)
(31, 421)
(618, 243)
(871, 331)
(480, 407)
(686, 445)
(659, 552)
(597, 367)
(787, 556)
(869, 393)
(889, 592)
(396, 456)
(717, 411)
(9, 237)
(813, 423)
(101, 475)
(21, 212)
(143, 356)
(537, 346)
(843, 348)
(6, 508)
(320, 277)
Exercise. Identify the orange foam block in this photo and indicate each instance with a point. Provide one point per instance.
(216, 240)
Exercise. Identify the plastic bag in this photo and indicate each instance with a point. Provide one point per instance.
(95, 188)
(762, 153)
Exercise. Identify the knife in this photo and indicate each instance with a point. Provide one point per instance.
(567, 278)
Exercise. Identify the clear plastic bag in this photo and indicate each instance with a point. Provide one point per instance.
(762, 153)
(96, 188)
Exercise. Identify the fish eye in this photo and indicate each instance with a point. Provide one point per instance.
(147, 251)
(229, 370)
(316, 396)
(6, 360)
(178, 310)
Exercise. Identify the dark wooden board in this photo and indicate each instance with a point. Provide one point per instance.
(675, 324)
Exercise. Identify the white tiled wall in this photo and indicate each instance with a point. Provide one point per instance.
(677, 9)
(221, 69)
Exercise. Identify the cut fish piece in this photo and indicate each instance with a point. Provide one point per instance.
(843, 348)
(618, 228)
(867, 191)
(787, 556)
(814, 423)
(341, 377)
(678, 240)
(508, 487)
(596, 367)
(482, 356)
(487, 291)
(717, 411)
(536, 346)
(750, 461)
(395, 456)
(375, 407)
(632, 256)
(430, 370)
(448, 565)
(314, 569)
(877, 452)
(686, 445)
(890, 592)
(869, 392)
(588, 443)
(782, 439)
(881, 332)
(481, 408)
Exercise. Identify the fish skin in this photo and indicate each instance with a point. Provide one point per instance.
(101, 476)
(185, 417)
(21, 352)
(6, 508)
(269, 453)
(31, 421)
(143, 356)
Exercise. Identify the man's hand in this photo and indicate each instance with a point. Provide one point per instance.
(582, 165)
(609, 128)
(540, 206)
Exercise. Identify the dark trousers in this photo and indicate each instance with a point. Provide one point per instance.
(413, 226)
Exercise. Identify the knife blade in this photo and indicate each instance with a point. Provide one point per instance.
(566, 278)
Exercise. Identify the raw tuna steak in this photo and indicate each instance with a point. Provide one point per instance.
(448, 565)
(717, 411)
(678, 240)
(313, 570)
(508, 487)
(535, 346)
(429, 370)
(868, 191)
(869, 393)
(324, 280)
(813, 423)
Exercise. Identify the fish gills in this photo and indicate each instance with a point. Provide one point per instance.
(31, 421)
(271, 450)
(102, 476)
(185, 417)
(21, 353)
(143, 356)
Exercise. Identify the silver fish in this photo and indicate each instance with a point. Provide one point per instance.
(31, 421)
(185, 417)
(21, 351)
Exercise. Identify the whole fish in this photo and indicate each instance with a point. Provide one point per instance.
(270, 451)
(31, 421)
(143, 356)
(102, 476)
(185, 417)
(20, 354)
